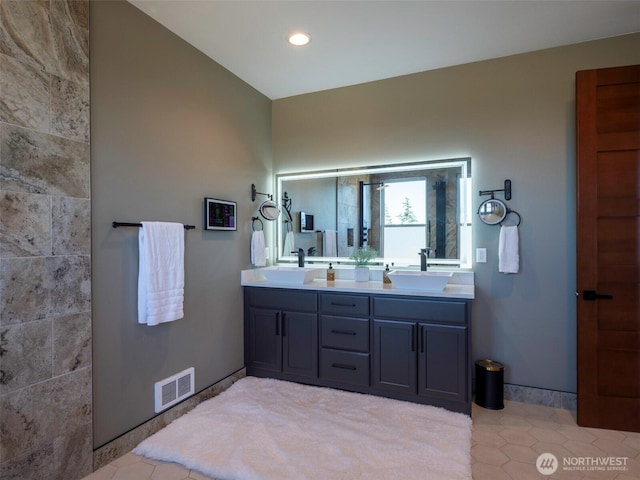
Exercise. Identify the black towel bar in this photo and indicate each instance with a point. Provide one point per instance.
(128, 224)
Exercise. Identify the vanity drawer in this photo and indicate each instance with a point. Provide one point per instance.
(345, 367)
(283, 299)
(344, 333)
(344, 304)
(421, 310)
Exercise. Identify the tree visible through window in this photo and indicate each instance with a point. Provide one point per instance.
(405, 201)
(407, 215)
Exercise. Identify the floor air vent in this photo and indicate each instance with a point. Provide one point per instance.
(174, 389)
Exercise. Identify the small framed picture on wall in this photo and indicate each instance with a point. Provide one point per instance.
(219, 214)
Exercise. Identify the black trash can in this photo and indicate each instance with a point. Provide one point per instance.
(490, 384)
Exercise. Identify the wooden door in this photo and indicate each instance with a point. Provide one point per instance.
(608, 240)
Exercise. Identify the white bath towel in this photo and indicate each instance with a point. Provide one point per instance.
(508, 253)
(329, 243)
(161, 272)
(289, 244)
(258, 249)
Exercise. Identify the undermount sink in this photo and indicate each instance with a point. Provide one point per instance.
(416, 280)
(290, 275)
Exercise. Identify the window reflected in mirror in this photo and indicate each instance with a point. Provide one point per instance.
(397, 210)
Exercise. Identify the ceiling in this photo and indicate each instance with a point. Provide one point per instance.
(362, 40)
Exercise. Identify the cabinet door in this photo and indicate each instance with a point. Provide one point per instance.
(300, 343)
(264, 342)
(442, 362)
(394, 356)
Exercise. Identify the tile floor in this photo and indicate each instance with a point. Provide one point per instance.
(505, 445)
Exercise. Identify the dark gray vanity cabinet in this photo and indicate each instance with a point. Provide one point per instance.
(395, 358)
(442, 362)
(281, 333)
(411, 348)
(344, 340)
(421, 347)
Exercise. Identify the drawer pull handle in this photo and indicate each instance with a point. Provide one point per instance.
(343, 366)
(343, 332)
(338, 304)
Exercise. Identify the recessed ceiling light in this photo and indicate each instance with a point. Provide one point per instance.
(299, 39)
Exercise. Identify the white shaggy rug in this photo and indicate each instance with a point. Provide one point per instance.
(271, 429)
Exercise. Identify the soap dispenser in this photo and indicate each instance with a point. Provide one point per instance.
(331, 274)
(385, 275)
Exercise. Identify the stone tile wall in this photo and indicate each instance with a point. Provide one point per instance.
(45, 262)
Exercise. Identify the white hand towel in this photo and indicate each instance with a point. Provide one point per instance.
(288, 244)
(508, 254)
(161, 272)
(258, 249)
(329, 244)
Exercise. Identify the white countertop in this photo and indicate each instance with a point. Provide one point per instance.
(461, 285)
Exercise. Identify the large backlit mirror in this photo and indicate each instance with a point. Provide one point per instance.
(397, 210)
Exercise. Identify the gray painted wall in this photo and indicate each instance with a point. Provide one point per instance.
(169, 127)
(515, 117)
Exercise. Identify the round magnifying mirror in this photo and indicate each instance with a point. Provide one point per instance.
(269, 210)
(492, 211)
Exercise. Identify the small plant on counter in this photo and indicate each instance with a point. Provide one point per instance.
(363, 256)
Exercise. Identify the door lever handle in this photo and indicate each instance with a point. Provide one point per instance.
(593, 295)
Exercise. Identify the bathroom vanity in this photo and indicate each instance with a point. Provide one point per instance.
(364, 337)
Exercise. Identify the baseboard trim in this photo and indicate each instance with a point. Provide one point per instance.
(541, 396)
(128, 441)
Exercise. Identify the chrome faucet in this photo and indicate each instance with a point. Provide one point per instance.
(423, 259)
(300, 254)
